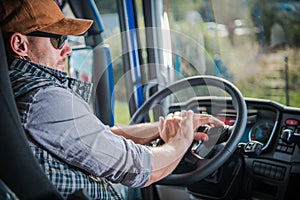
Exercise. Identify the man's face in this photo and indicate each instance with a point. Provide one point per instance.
(41, 51)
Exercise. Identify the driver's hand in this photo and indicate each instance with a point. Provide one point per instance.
(178, 124)
(171, 123)
(204, 119)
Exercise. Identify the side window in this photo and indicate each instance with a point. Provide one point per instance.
(112, 38)
(80, 62)
(191, 55)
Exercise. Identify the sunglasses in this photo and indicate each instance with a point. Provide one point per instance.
(57, 41)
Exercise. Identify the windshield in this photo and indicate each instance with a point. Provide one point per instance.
(254, 44)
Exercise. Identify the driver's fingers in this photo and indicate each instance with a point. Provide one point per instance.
(161, 124)
(178, 115)
(202, 119)
(201, 136)
(198, 119)
(170, 115)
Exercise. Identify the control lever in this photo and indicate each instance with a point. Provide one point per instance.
(219, 134)
(253, 148)
(196, 145)
(289, 137)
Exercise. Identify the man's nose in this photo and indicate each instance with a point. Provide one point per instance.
(66, 50)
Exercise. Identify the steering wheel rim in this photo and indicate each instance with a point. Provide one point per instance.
(206, 166)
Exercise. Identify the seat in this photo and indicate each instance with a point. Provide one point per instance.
(18, 169)
(20, 173)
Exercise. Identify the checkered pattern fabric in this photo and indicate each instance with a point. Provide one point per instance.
(25, 77)
(69, 179)
(21, 75)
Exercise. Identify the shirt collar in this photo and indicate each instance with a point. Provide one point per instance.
(35, 72)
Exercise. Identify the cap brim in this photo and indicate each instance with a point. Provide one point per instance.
(68, 26)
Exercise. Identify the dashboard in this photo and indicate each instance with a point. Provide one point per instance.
(274, 173)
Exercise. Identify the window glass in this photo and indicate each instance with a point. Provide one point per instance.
(112, 38)
(253, 43)
(80, 63)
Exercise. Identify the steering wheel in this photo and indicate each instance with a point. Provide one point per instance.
(204, 166)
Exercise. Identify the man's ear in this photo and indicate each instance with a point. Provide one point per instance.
(19, 44)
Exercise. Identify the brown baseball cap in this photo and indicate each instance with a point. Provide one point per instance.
(26, 16)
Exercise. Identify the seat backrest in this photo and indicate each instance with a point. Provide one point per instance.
(18, 169)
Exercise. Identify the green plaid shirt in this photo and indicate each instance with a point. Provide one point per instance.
(65, 177)
(68, 179)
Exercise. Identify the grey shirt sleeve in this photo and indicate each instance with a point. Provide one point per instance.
(64, 124)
